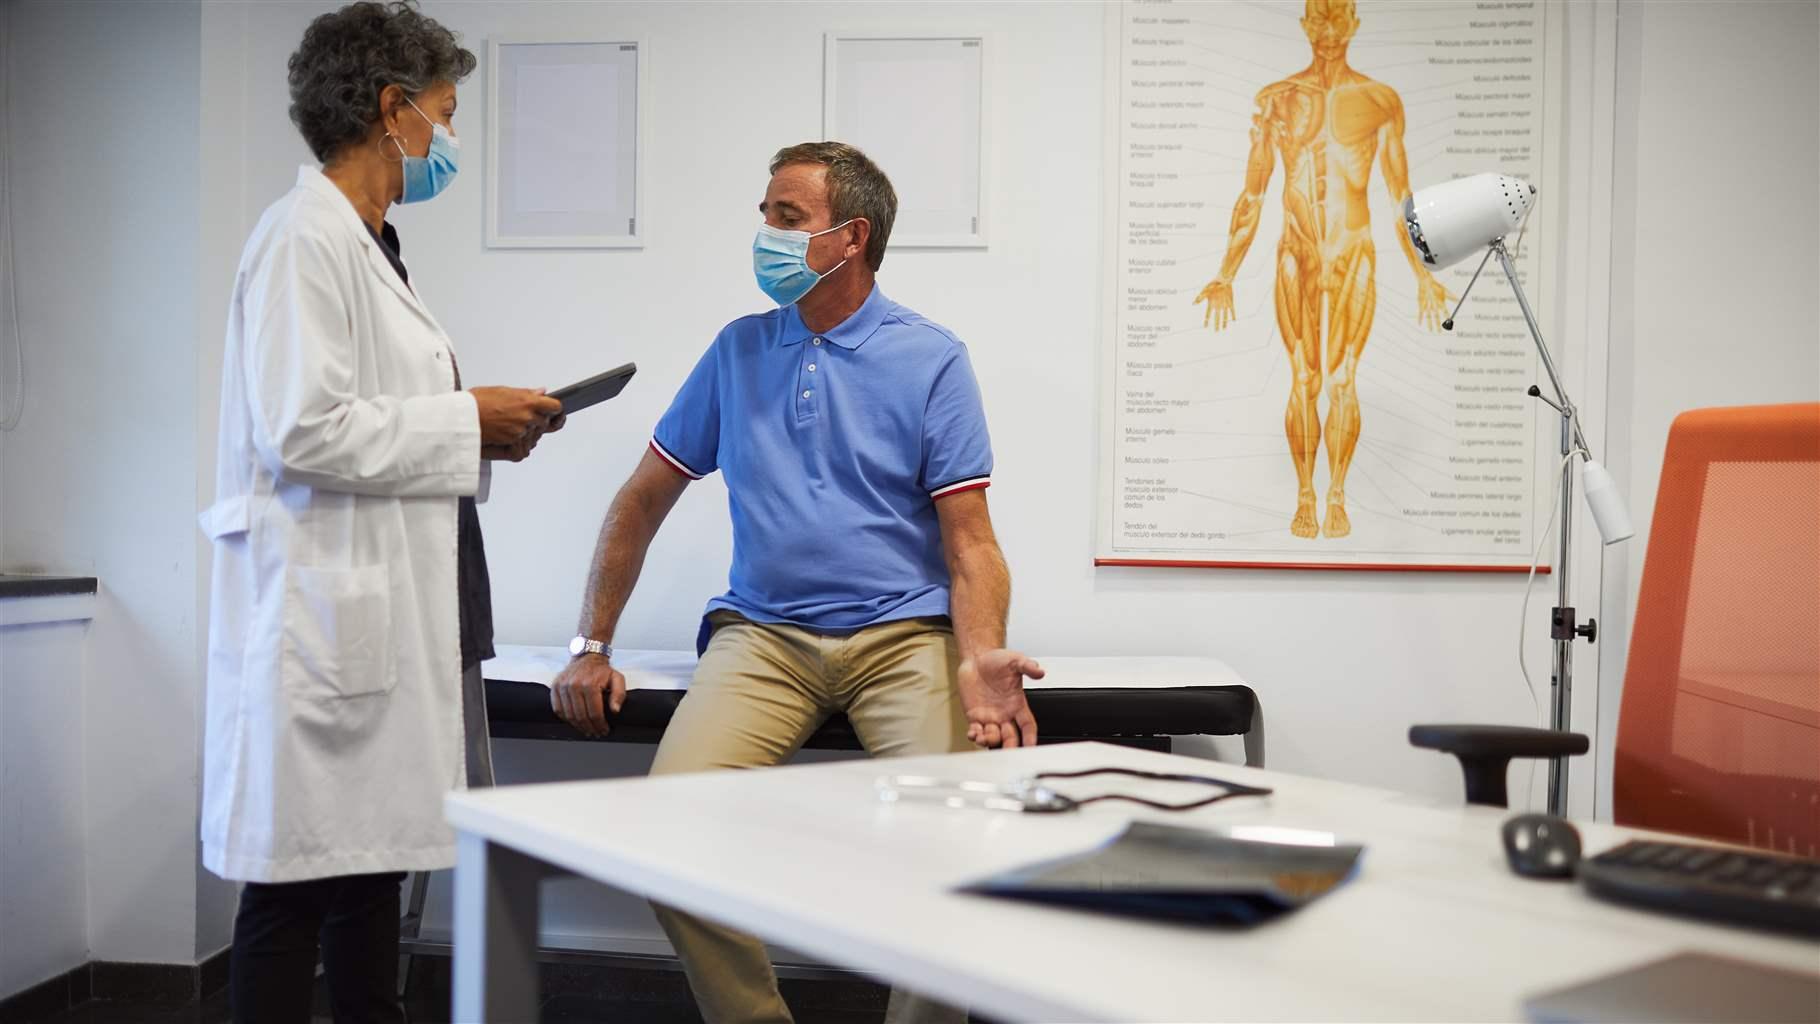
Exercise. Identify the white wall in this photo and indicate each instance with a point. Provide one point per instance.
(43, 882)
(100, 478)
(223, 183)
(1717, 302)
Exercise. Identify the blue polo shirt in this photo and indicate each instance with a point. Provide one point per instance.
(835, 448)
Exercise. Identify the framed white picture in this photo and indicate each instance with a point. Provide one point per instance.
(566, 127)
(916, 105)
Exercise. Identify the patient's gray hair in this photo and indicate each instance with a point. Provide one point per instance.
(856, 188)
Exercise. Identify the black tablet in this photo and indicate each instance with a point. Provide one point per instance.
(594, 390)
(1180, 873)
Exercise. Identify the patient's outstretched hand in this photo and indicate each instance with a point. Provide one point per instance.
(992, 691)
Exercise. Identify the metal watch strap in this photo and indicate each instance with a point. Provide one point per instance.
(590, 646)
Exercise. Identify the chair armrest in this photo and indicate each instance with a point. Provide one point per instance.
(1485, 752)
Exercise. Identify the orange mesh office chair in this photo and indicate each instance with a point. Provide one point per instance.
(1719, 730)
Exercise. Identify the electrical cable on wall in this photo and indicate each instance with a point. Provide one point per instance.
(1523, 616)
(1536, 562)
(13, 406)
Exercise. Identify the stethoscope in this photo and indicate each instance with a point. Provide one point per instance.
(1030, 796)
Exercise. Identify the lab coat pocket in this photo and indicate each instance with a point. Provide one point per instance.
(338, 632)
(227, 519)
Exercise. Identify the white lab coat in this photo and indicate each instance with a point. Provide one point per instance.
(334, 664)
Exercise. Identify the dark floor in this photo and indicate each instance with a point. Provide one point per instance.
(572, 995)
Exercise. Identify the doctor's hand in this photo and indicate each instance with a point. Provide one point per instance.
(510, 452)
(585, 691)
(521, 450)
(510, 415)
(992, 691)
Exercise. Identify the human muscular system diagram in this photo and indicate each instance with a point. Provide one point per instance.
(1326, 125)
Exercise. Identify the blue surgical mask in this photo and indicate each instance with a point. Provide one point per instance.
(426, 176)
(780, 260)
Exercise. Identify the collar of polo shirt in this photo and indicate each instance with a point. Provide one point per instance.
(849, 334)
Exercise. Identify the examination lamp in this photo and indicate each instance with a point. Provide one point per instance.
(1447, 223)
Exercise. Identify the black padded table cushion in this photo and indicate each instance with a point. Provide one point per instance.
(518, 710)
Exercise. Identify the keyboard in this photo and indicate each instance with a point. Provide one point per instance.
(1758, 889)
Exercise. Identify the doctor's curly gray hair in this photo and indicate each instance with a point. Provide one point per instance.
(347, 57)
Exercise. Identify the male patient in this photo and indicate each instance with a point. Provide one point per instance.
(866, 578)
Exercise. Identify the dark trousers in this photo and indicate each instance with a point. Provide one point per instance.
(352, 920)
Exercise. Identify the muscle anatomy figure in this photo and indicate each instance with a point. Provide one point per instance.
(1326, 124)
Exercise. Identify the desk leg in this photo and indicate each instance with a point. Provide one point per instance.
(496, 910)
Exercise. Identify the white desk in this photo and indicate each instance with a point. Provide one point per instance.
(1434, 927)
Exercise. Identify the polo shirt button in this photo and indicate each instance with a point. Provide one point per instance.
(811, 367)
(818, 341)
(806, 394)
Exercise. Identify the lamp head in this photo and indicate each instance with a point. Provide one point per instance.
(1453, 220)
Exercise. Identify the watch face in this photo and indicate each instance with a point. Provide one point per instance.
(578, 645)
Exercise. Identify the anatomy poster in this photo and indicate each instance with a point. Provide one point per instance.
(1276, 385)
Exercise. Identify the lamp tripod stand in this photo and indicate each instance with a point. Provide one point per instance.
(1565, 626)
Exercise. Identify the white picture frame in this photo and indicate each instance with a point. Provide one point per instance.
(567, 132)
(927, 128)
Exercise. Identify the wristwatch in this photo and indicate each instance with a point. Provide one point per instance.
(582, 645)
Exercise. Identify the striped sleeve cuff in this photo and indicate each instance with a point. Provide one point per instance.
(674, 462)
(972, 483)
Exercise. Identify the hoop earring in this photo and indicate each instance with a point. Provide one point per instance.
(379, 145)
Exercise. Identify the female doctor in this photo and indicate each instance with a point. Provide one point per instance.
(350, 588)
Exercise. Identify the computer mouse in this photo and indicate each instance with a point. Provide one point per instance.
(1541, 846)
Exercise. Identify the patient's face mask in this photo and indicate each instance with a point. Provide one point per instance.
(780, 261)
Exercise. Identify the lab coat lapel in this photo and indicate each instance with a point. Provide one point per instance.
(376, 259)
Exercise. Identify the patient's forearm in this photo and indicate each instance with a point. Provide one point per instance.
(980, 599)
(625, 538)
